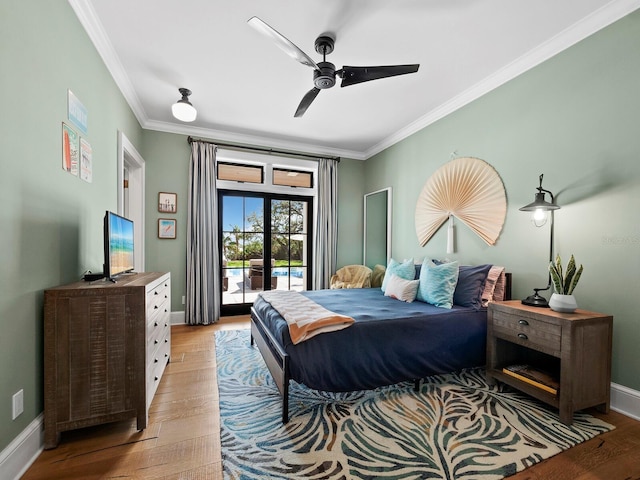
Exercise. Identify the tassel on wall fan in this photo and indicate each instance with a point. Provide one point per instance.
(469, 189)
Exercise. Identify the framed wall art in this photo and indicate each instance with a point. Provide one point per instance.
(167, 202)
(166, 228)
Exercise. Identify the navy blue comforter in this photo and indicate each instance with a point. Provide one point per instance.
(390, 342)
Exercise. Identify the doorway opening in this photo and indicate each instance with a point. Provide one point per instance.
(265, 242)
(130, 177)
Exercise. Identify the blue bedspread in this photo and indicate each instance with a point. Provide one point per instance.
(390, 342)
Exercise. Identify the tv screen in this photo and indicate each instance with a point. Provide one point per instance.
(118, 245)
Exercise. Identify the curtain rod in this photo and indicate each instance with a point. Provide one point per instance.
(259, 149)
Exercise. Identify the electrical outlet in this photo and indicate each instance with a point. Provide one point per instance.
(18, 404)
(183, 299)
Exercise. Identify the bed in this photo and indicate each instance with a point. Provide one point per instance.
(390, 342)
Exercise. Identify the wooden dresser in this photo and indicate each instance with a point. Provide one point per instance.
(573, 347)
(105, 348)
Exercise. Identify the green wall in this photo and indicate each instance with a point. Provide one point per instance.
(575, 119)
(350, 212)
(51, 221)
(167, 170)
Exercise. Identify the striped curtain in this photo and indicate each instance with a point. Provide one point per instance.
(326, 232)
(203, 264)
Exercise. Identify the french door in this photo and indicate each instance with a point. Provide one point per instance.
(266, 244)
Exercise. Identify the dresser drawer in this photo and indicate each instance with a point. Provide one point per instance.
(156, 366)
(157, 303)
(527, 331)
(159, 337)
(158, 321)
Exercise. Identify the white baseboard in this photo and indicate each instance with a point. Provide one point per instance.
(177, 318)
(23, 450)
(625, 400)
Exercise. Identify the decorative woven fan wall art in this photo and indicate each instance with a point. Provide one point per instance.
(469, 189)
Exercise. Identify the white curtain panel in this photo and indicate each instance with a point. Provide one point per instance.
(326, 232)
(203, 264)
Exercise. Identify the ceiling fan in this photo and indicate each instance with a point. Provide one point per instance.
(324, 73)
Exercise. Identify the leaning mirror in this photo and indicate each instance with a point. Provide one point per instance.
(377, 228)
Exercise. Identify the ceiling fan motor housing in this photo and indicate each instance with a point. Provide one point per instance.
(325, 76)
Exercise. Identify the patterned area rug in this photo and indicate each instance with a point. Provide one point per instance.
(456, 427)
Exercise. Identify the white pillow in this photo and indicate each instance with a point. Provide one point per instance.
(401, 289)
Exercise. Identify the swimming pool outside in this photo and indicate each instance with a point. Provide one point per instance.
(276, 272)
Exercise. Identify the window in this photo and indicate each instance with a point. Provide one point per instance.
(266, 213)
(292, 178)
(240, 173)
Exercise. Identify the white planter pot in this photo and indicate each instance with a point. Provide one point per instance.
(563, 303)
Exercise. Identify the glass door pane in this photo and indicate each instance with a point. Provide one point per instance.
(289, 243)
(242, 248)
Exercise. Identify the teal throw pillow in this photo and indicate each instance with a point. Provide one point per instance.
(405, 270)
(437, 283)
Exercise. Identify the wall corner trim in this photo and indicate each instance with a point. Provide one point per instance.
(625, 400)
(177, 318)
(23, 450)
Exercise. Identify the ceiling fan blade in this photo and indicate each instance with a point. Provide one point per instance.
(306, 101)
(353, 75)
(285, 44)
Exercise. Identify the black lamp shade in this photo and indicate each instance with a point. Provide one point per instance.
(539, 204)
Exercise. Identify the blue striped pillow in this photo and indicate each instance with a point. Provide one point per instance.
(437, 283)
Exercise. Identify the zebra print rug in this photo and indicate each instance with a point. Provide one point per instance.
(456, 427)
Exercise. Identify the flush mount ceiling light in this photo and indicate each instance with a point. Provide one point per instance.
(182, 109)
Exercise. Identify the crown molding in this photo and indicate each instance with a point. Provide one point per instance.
(254, 140)
(589, 25)
(92, 25)
(606, 15)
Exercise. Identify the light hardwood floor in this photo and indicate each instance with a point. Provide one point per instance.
(182, 440)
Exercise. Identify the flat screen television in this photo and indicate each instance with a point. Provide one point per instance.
(118, 245)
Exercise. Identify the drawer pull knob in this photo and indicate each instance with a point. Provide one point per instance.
(523, 336)
(155, 307)
(155, 378)
(155, 360)
(155, 342)
(155, 293)
(523, 322)
(166, 340)
(155, 324)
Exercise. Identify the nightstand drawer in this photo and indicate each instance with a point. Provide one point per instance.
(526, 331)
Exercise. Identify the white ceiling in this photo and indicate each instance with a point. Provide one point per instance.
(246, 89)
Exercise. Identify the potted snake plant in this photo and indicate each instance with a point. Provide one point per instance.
(563, 300)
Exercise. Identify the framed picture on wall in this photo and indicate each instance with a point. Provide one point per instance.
(166, 228)
(167, 202)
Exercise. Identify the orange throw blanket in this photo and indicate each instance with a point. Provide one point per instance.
(305, 317)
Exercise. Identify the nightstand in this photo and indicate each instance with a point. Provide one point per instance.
(574, 347)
